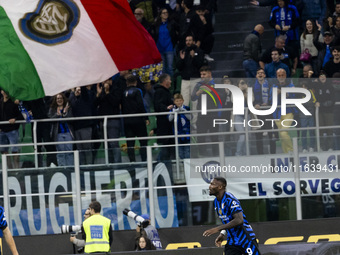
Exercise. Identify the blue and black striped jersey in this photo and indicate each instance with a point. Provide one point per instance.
(3, 222)
(241, 235)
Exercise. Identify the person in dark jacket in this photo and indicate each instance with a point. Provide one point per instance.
(324, 93)
(62, 131)
(107, 102)
(39, 109)
(252, 51)
(82, 104)
(184, 21)
(163, 103)
(202, 29)
(333, 65)
(148, 6)
(9, 133)
(189, 62)
(132, 103)
(308, 121)
(324, 48)
(205, 121)
(165, 36)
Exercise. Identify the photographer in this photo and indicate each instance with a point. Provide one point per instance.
(80, 242)
(146, 229)
(97, 230)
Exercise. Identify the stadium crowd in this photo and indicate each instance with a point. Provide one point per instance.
(307, 36)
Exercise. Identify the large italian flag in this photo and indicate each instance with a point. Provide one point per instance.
(48, 46)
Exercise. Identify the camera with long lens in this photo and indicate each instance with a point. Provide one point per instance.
(141, 222)
(65, 229)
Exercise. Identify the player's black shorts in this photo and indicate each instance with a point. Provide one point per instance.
(238, 250)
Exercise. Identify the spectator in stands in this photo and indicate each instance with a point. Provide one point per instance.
(132, 103)
(144, 244)
(308, 121)
(306, 42)
(261, 90)
(252, 50)
(164, 103)
(184, 21)
(307, 71)
(165, 36)
(183, 124)
(205, 122)
(107, 102)
(139, 14)
(226, 103)
(239, 121)
(331, 20)
(149, 8)
(202, 30)
(331, 6)
(210, 7)
(282, 81)
(308, 76)
(285, 18)
(313, 10)
(39, 109)
(189, 62)
(9, 133)
(62, 131)
(276, 64)
(288, 56)
(336, 109)
(324, 48)
(82, 101)
(333, 65)
(335, 29)
(325, 99)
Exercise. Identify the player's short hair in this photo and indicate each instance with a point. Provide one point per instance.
(221, 180)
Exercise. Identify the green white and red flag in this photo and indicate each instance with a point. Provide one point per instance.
(49, 46)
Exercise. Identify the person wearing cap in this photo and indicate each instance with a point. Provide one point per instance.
(324, 48)
(149, 231)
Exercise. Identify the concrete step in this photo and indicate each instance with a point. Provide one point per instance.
(238, 26)
(236, 16)
(222, 55)
(230, 63)
(234, 73)
(233, 41)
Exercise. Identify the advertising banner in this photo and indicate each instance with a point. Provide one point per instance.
(271, 176)
(41, 201)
